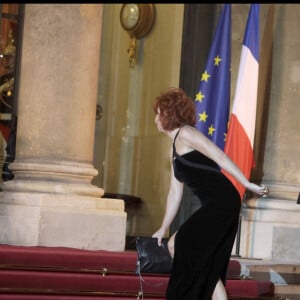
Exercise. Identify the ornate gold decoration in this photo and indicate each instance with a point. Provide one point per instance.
(137, 19)
(10, 48)
(132, 52)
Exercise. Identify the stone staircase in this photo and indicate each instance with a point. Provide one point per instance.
(285, 276)
(58, 273)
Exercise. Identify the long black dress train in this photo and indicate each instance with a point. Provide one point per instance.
(203, 244)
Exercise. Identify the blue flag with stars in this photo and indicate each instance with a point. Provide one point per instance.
(213, 98)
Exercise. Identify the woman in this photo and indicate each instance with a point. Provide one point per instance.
(202, 246)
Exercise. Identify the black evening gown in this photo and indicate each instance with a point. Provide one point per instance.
(203, 244)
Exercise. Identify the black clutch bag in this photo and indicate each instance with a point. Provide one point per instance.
(153, 258)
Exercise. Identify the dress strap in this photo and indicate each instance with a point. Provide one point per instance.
(174, 148)
(176, 135)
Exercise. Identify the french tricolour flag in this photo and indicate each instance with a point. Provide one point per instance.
(240, 135)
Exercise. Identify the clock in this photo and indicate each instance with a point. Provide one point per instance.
(137, 18)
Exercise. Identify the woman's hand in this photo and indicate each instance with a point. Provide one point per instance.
(159, 234)
(261, 190)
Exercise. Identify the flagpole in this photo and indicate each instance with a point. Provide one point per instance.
(239, 231)
(238, 238)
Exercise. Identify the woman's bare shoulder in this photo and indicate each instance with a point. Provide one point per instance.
(195, 139)
(186, 134)
(189, 132)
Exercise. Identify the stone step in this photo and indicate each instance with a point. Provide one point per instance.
(65, 271)
(290, 291)
(277, 272)
(285, 276)
(15, 296)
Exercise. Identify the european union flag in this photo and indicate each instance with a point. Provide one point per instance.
(213, 97)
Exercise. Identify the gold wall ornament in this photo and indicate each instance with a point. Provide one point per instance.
(10, 48)
(132, 52)
(138, 20)
(6, 91)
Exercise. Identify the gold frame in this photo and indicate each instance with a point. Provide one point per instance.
(145, 21)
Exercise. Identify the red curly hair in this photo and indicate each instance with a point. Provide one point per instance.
(175, 109)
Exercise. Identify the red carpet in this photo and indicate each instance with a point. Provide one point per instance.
(72, 259)
(60, 297)
(68, 258)
(250, 288)
(65, 273)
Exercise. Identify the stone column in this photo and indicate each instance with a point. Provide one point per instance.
(271, 225)
(51, 201)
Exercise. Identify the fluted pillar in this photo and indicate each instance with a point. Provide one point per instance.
(52, 197)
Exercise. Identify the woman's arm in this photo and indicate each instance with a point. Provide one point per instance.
(173, 202)
(194, 139)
